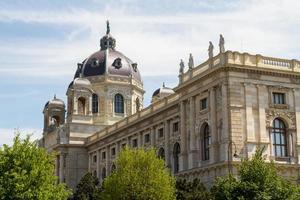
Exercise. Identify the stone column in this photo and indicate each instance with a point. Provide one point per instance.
(249, 114)
(213, 126)
(61, 167)
(98, 164)
(296, 93)
(193, 146)
(167, 142)
(107, 149)
(225, 123)
(183, 161)
(140, 139)
(153, 138)
(262, 99)
(90, 106)
(75, 105)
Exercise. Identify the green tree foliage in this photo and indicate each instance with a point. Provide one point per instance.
(191, 190)
(257, 180)
(87, 188)
(139, 175)
(27, 172)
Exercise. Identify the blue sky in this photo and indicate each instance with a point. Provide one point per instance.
(41, 42)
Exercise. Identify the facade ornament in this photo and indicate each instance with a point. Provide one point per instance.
(181, 69)
(222, 44)
(191, 62)
(107, 27)
(210, 50)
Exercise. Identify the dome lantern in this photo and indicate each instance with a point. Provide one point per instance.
(107, 41)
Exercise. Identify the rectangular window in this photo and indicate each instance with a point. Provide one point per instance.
(134, 143)
(95, 158)
(147, 138)
(204, 104)
(278, 98)
(123, 145)
(161, 132)
(103, 155)
(113, 151)
(175, 127)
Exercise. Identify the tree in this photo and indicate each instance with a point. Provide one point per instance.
(191, 190)
(27, 172)
(87, 188)
(139, 175)
(257, 180)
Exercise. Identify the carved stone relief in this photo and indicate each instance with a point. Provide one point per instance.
(288, 117)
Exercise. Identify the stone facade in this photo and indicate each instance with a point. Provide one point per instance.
(221, 111)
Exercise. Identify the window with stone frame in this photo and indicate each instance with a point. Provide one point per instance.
(113, 151)
(103, 155)
(203, 104)
(95, 103)
(279, 138)
(134, 143)
(95, 158)
(147, 138)
(161, 132)
(205, 143)
(278, 98)
(175, 127)
(119, 104)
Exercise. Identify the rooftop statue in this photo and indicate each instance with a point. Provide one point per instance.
(107, 27)
(181, 69)
(191, 61)
(210, 50)
(221, 44)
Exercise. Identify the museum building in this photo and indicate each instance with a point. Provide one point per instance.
(221, 111)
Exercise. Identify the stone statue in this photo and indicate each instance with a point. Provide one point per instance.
(107, 27)
(191, 61)
(181, 69)
(221, 44)
(210, 50)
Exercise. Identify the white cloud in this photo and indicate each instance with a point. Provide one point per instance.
(156, 42)
(7, 135)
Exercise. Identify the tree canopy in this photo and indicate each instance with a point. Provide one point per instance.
(27, 172)
(88, 188)
(191, 190)
(139, 175)
(257, 180)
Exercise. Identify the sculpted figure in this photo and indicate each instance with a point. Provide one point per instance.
(191, 61)
(181, 69)
(221, 44)
(210, 50)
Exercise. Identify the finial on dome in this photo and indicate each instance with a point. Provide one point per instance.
(164, 84)
(107, 41)
(107, 27)
(54, 96)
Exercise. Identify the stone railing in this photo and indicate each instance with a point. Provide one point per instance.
(238, 58)
(163, 103)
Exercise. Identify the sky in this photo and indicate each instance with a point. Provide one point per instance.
(41, 42)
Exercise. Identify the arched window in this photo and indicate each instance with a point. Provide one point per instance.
(95, 103)
(95, 173)
(119, 104)
(137, 104)
(161, 153)
(205, 142)
(103, 173)
(81, 106)
(279, 138)
(176, 152)
(55, 120)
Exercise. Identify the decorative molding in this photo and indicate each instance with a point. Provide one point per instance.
(288, 117)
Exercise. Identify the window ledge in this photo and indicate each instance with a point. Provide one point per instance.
(279, 106)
